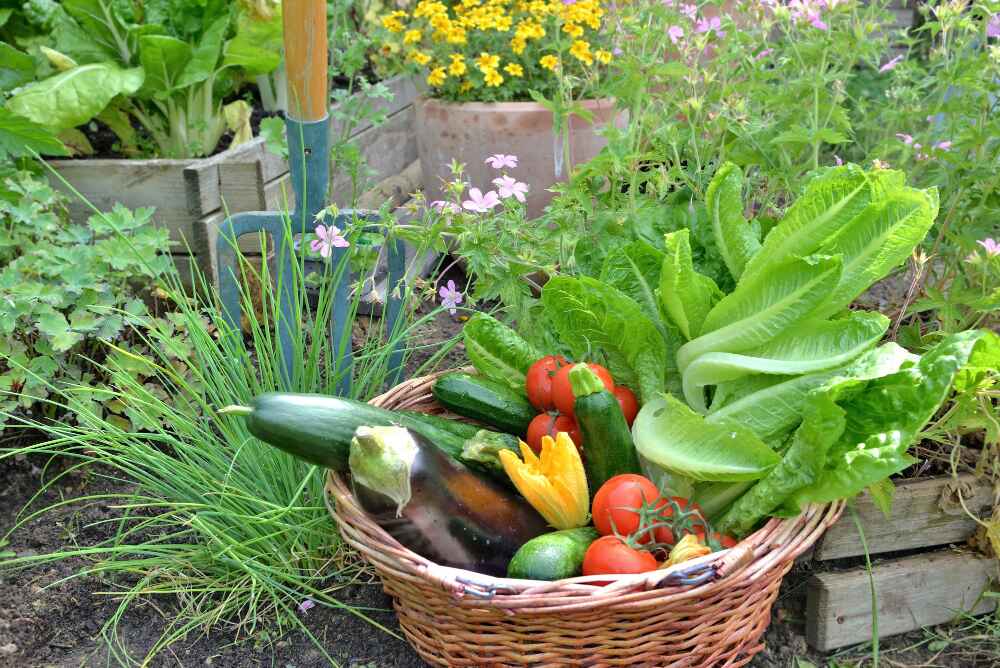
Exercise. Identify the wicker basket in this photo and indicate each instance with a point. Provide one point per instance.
(707, 612)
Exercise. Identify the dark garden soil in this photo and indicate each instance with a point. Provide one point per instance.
(44, 624)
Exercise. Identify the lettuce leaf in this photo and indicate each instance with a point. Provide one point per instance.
(685, 296)
(734, 237)
(762, 308)
(592, 317)
(812, 345)
(670, 435)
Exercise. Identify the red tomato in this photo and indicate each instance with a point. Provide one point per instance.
(626, 399)
(549, 424)
(617, 502)
(562, 390)
(538, 383)
(609, 555)
(722, 539)
(665, 534)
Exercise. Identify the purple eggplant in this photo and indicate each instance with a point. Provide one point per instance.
(435, 506)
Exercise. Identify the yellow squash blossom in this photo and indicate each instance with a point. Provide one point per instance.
(514, 70)
(486, 62)
(411, 37)
(554, 483)
(492, 78)
(549, 62)
(457, 67)
(436, 77)
(687, 548)
(603, 56)
(581, 51)
(419, 57)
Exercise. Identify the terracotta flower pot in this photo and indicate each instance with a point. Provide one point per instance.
(472, 131)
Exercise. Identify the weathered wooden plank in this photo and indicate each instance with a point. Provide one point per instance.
(912, 592)
(241, 186)
(387, 150)
(925, 513)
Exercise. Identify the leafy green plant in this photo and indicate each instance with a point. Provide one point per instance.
(69, 292)
(166, 66)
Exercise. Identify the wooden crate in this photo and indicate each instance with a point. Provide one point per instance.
(193, 197)
(936, 580)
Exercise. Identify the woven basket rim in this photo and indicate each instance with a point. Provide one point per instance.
(776, 543)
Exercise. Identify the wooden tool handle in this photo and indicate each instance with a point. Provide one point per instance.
(306, 58)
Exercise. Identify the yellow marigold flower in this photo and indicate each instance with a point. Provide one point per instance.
(572, 30)
(493, 78)
(549, 62)
(581, 51)
(514, 70)
(602, 56)
(554, 483)
(517, 45)
(436, 77)
(440, 22)
(392, 24)
(486, 62)
(457, 67)
(465, 86)
(411, 37)
(419, 57)
(456, 35)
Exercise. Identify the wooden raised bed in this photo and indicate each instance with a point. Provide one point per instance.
(935, 580)
(193, 197)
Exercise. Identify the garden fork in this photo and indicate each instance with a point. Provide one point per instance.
(307, 124)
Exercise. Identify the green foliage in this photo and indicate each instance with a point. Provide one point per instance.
(69, 299)
(21, 138)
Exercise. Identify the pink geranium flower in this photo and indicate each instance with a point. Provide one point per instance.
(510, 187)
(445, 207)
(450, 297)
(943, 146)
(905, 138)
(689, 11)
(675, 33)
(480, 203)
(714, 23)
(837, 161)
(327, 239)
(763, 54)
(991, 246)
(500, 160)
(993, 27)
(891, 64)
(306, 605)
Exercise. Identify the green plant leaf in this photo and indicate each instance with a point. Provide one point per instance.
(763, 307)
(16, 67)
(822, 424)
(734, 237)
(53, 324)
(206, 54)
(877, 241)
(672, 436)
(163, 60)
(634, 269)
(811, 345)
(685, 295)
(592, 317)
(497, 351)
(74, 97)
(19, 137)
(257, 45)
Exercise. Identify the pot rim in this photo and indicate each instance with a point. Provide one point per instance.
(509, 107)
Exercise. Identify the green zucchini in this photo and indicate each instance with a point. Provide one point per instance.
(319, 428)
(552, 556)
(497, 351)
(607, 441)
(486, 400)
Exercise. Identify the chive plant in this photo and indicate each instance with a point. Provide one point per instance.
(230, 529)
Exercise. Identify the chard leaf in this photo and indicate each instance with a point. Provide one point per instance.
(801, 465)
(19, 137)
(163, 58)
(16, 67)
(734, 236)
(811, 345)
(885, 416)
(830, 201)
(591, 316)
(205, 55)
(685, 295)
(74, 97)
(762, 308)
(672, 436)
(877, 241)
(257, 44)
(769, 409)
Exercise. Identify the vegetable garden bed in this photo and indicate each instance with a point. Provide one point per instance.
(193, 197)
(932, 584)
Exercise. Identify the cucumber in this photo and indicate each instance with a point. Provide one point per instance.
(319, 428)
(552, 556)
(497, 351)
(607, 441)
(485, 400)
